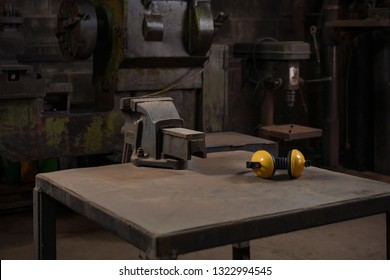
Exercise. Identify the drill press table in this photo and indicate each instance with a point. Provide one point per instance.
(216, 201)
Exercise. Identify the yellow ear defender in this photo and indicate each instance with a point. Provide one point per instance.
(264, 164)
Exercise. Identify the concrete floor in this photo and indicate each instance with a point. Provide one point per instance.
(79, 238)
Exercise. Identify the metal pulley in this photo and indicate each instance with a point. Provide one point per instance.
(200, 27)
(77, 28)
(153, 27)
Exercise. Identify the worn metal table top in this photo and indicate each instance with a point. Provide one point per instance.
(232, 141)
(216, 201)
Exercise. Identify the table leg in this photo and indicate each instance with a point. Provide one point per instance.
(153, 253)
(388, 235)
(152, 256)
(44, 226)
(241, 251)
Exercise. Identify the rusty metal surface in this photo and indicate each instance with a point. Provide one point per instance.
(288, 50)
(153, 27)
(289, 132)
(18, 81)
(158, 78)
(199, 26)
(170, 48)
(182, 143)
(213, 203)
(215, 89)
(37, 119)
(28, 133)
(77, 28)
(361, 23)
(11, 40)
(230, 141)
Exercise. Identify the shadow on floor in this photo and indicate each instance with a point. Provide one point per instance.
(79, 238)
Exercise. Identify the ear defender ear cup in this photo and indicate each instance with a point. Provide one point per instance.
(264, 164)
(297, 163)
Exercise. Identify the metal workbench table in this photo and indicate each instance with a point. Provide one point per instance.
(216, 201)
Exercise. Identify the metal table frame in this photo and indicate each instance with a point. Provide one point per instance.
(369, 198)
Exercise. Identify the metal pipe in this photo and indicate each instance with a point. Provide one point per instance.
(267, 108)
(331, 121)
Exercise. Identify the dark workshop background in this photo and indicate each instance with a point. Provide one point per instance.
(363, 107)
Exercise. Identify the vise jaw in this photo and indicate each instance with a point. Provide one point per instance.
(154, 134)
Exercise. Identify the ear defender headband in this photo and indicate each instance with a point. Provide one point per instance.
(265, 165)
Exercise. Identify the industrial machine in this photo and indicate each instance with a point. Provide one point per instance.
(37, 117)
(138, 48)
(131, 42)
(137, 45)
(274, 66)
